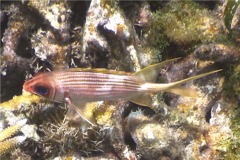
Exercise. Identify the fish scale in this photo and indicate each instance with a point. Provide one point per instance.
(97, 84)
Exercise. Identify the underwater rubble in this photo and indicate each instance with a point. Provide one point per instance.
(52, 35)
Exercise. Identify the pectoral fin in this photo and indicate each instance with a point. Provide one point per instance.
(83, 110)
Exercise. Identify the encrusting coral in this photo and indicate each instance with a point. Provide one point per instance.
(17, 102)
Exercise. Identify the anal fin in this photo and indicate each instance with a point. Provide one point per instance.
(143, 100)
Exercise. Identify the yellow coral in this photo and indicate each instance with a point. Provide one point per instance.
(10, 143)
(8, 132)
(104, 113)
(7, 144)
(188, 106)
(17, 101)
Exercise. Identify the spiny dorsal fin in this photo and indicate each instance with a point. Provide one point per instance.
(150, 73)
(98, 70)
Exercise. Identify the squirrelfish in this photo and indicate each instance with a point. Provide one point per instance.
(75, 86)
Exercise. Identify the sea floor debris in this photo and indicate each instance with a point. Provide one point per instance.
(54, 35)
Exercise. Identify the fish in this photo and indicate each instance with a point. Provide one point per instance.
(80, 85)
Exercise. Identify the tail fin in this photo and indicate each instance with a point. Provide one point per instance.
(149, 75)
(186, 92)
(175, 87)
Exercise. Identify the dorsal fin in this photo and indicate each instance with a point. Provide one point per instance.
(150, 73)
(98, 70)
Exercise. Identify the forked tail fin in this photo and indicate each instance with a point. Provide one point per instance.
(175, 87)
(149, 75)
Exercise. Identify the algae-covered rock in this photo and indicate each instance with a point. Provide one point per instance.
(184, 22)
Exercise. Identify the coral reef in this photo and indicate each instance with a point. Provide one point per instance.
(53, 35)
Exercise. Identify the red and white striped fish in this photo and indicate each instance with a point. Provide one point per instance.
(88, 85)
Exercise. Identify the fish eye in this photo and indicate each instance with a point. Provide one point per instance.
(42, 90)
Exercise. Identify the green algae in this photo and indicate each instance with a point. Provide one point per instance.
(232, 91)
(231, 8)
(229, 12)
(236, 78)
(233, 143)
(156, 37)
(232, 83)
(183, 23)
